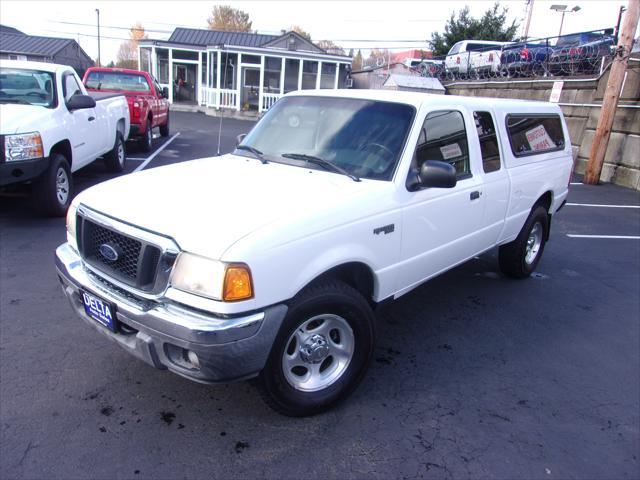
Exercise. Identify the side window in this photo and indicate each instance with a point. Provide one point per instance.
(533, 134)
(443, 137)
(455, 49)
(70, 87)
(488, 141)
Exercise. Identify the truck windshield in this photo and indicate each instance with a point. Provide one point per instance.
(117, 81)
(27, 87)
(365, 138)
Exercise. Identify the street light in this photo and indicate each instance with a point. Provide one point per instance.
(563, 9)
(98, 13)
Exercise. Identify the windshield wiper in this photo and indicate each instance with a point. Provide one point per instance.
(14, 100)
(322, 162)
(257, 153)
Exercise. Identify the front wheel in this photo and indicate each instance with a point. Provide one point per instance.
(164, 129)
(146, 141)
(53, 190)
(520, 258)
(322, 351)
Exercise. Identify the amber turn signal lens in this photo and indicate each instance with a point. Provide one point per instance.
(237, 283)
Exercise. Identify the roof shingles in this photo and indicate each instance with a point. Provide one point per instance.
(31, 45)
(193, 36)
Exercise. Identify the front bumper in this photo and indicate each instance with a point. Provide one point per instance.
(161, 334)
(22, 171)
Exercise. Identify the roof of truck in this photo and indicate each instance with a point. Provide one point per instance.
(418, 98)
(29, 65)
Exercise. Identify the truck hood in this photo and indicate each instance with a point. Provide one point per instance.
(17, 118)
(207, 205)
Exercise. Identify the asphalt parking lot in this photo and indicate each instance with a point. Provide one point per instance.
(475, 375)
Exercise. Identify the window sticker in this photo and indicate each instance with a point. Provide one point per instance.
(539, 139)
(451, 151)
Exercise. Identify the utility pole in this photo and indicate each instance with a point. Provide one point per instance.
(529, 13)
(98, 13)
(612, 94)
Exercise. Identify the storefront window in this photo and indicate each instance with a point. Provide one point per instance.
(272, 69)
(328, 76)
(291, 71)
(163, 65)
(185, 55)
(145, 59)
(309, 75)
(229, 70)
(342, 75)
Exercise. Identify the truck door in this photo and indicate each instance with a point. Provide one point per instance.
(441, 226)
(81, 125)
(496, 182)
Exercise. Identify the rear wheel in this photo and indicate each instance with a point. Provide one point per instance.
(116, 159)
(322, 351)
(146, 141)
(53, 190)
(520, 258)
(164, 129)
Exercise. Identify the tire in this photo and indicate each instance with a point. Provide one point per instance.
(164, 129)
(520, 258)
(53, 190)
(146, 141)
(116, 159)
(337, 327)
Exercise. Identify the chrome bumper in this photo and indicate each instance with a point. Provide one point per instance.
(162, 334)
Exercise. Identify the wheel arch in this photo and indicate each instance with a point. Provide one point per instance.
(63, 147)
(356, 274)
(545, 201)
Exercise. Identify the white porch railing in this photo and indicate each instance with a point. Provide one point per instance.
(268, 99)
(223, 98)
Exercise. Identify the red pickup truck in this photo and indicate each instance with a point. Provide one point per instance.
(148, 105)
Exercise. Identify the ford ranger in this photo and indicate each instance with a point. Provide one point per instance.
(50, 127)
(269, 261)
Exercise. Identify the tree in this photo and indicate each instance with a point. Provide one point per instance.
(303, 33)
(356, 64)
(227, 18)
(127, 56)
(330, 47)
(491, 26)
(377, 56)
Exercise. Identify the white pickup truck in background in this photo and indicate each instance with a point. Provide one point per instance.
(269, 261)
(50, 127)
(474, 57)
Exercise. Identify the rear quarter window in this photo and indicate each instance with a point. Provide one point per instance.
(534, 134)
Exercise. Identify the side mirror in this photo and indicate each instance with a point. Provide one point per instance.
(79, 102)
(165, 92)
(240, 138)
(433, 174)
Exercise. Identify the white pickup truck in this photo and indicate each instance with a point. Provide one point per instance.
(474, 57)
(269, 261)
(50, 127)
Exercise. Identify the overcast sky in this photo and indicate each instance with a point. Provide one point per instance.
(398, 25)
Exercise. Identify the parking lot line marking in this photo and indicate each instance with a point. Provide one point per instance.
(615, 237)
(146, 162)
(576, 183)
(136, 159)
(601, 205)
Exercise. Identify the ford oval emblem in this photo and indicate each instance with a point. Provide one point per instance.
(108, 252)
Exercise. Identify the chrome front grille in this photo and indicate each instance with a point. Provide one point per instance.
(123, 254)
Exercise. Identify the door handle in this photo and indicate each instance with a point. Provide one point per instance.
(91, 119)
(474, 195)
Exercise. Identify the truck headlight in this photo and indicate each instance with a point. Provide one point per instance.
(71, 225)
(25, 146)
(211, 278)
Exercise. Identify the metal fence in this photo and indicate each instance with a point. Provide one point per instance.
(576, 54)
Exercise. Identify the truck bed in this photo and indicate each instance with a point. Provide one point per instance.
(97, 96)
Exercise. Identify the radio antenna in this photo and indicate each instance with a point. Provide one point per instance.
(224, 84)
